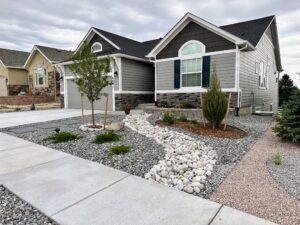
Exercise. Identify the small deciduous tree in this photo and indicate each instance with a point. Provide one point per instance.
(90, 74)
(214, 102)
(288, 121)
(286, 88)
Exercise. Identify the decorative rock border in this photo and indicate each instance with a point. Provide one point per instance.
(188, 162)
(87, 127)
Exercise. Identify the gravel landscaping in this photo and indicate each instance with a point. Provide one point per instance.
(14, 211)
(143, 154)
(229, 151)
(287, 174)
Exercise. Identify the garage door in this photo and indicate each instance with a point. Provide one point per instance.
(74, 98)
(3, 89)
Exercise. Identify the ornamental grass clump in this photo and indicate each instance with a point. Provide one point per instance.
(215, 102)
(168, 118)
(63, 136)
(277, 158)
(106, 137)
(288, 121)
(119, 150)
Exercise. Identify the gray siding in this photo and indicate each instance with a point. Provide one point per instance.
(249, 79)
(74, 98)
(193, 31)
(137, 76)
(225, 67)
(165, 75)
(106, 47)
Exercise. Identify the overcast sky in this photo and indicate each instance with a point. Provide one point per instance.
(63, 23)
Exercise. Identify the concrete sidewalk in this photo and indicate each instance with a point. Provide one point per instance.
(12, 119)
(74, 191)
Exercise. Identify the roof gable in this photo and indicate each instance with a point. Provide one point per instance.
(13, 58)
(192, 18)
(52, 55)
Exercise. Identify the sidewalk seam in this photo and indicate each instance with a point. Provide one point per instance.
(88, 196)
(212, 219)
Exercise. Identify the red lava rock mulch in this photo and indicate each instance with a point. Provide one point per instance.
(205, 130)
(250, 187)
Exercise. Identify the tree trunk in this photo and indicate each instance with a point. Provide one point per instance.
(93, 115)
(81, 107)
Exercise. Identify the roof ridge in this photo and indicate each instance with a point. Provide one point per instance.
(53, 48)
(246, 21)
(13, 50)
(117, 35)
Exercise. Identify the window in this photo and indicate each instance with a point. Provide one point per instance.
(191, 72)
(96, 47)
(191, 63)
(40, 76)
(262, 75)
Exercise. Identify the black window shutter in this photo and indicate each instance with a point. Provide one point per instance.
(205, 71)
(177, 74)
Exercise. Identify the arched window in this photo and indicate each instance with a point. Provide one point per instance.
(191, 48)
(96, 47)
(191, 63)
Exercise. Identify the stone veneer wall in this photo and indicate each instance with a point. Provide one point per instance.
(16, 89)
(132, 99)
(25, 100)
(48, 90)
(174, 99)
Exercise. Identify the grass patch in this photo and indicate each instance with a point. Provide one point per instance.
(119, 150)
(168, 118)
(106, 137)
(62, 137)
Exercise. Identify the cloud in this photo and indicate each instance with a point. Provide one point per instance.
(64, 23)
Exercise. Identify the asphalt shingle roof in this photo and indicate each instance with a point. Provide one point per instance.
(129, 46)
(13, 58)
(55, 55)
(251, 30)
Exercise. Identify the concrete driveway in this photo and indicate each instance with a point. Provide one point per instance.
(12, 119)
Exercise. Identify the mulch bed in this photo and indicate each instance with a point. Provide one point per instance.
(206, 130)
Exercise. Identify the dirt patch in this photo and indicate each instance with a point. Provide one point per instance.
(206, 130)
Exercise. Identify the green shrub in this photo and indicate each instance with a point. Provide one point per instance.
(277, 158)
(127, 107)
(106, 137)
(17, 109)
(215, 102)
(168, 118)
(183, 118)
(32, 107)
(194, 122)
(120, 149)
(288, 121)
(164, 104)
(62, 137)
(186, 105)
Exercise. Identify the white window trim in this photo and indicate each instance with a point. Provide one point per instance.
(188, 57)
(97, 43)
(263, 74)
(45, 79)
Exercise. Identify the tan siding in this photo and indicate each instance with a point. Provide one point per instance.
(3, 71)
(249, 79)
(17, 77)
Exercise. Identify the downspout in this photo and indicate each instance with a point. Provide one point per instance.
(155, 79)
(238, 77)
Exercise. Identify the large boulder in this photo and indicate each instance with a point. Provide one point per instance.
(116, 126)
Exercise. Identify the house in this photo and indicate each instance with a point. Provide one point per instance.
(13, 77)
(43, 77)
(131, 72)
(177, 67)
(246, 56)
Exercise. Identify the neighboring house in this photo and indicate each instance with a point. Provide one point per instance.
(43, 78)
(13, 76)
(132, 73)
(246, 56)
